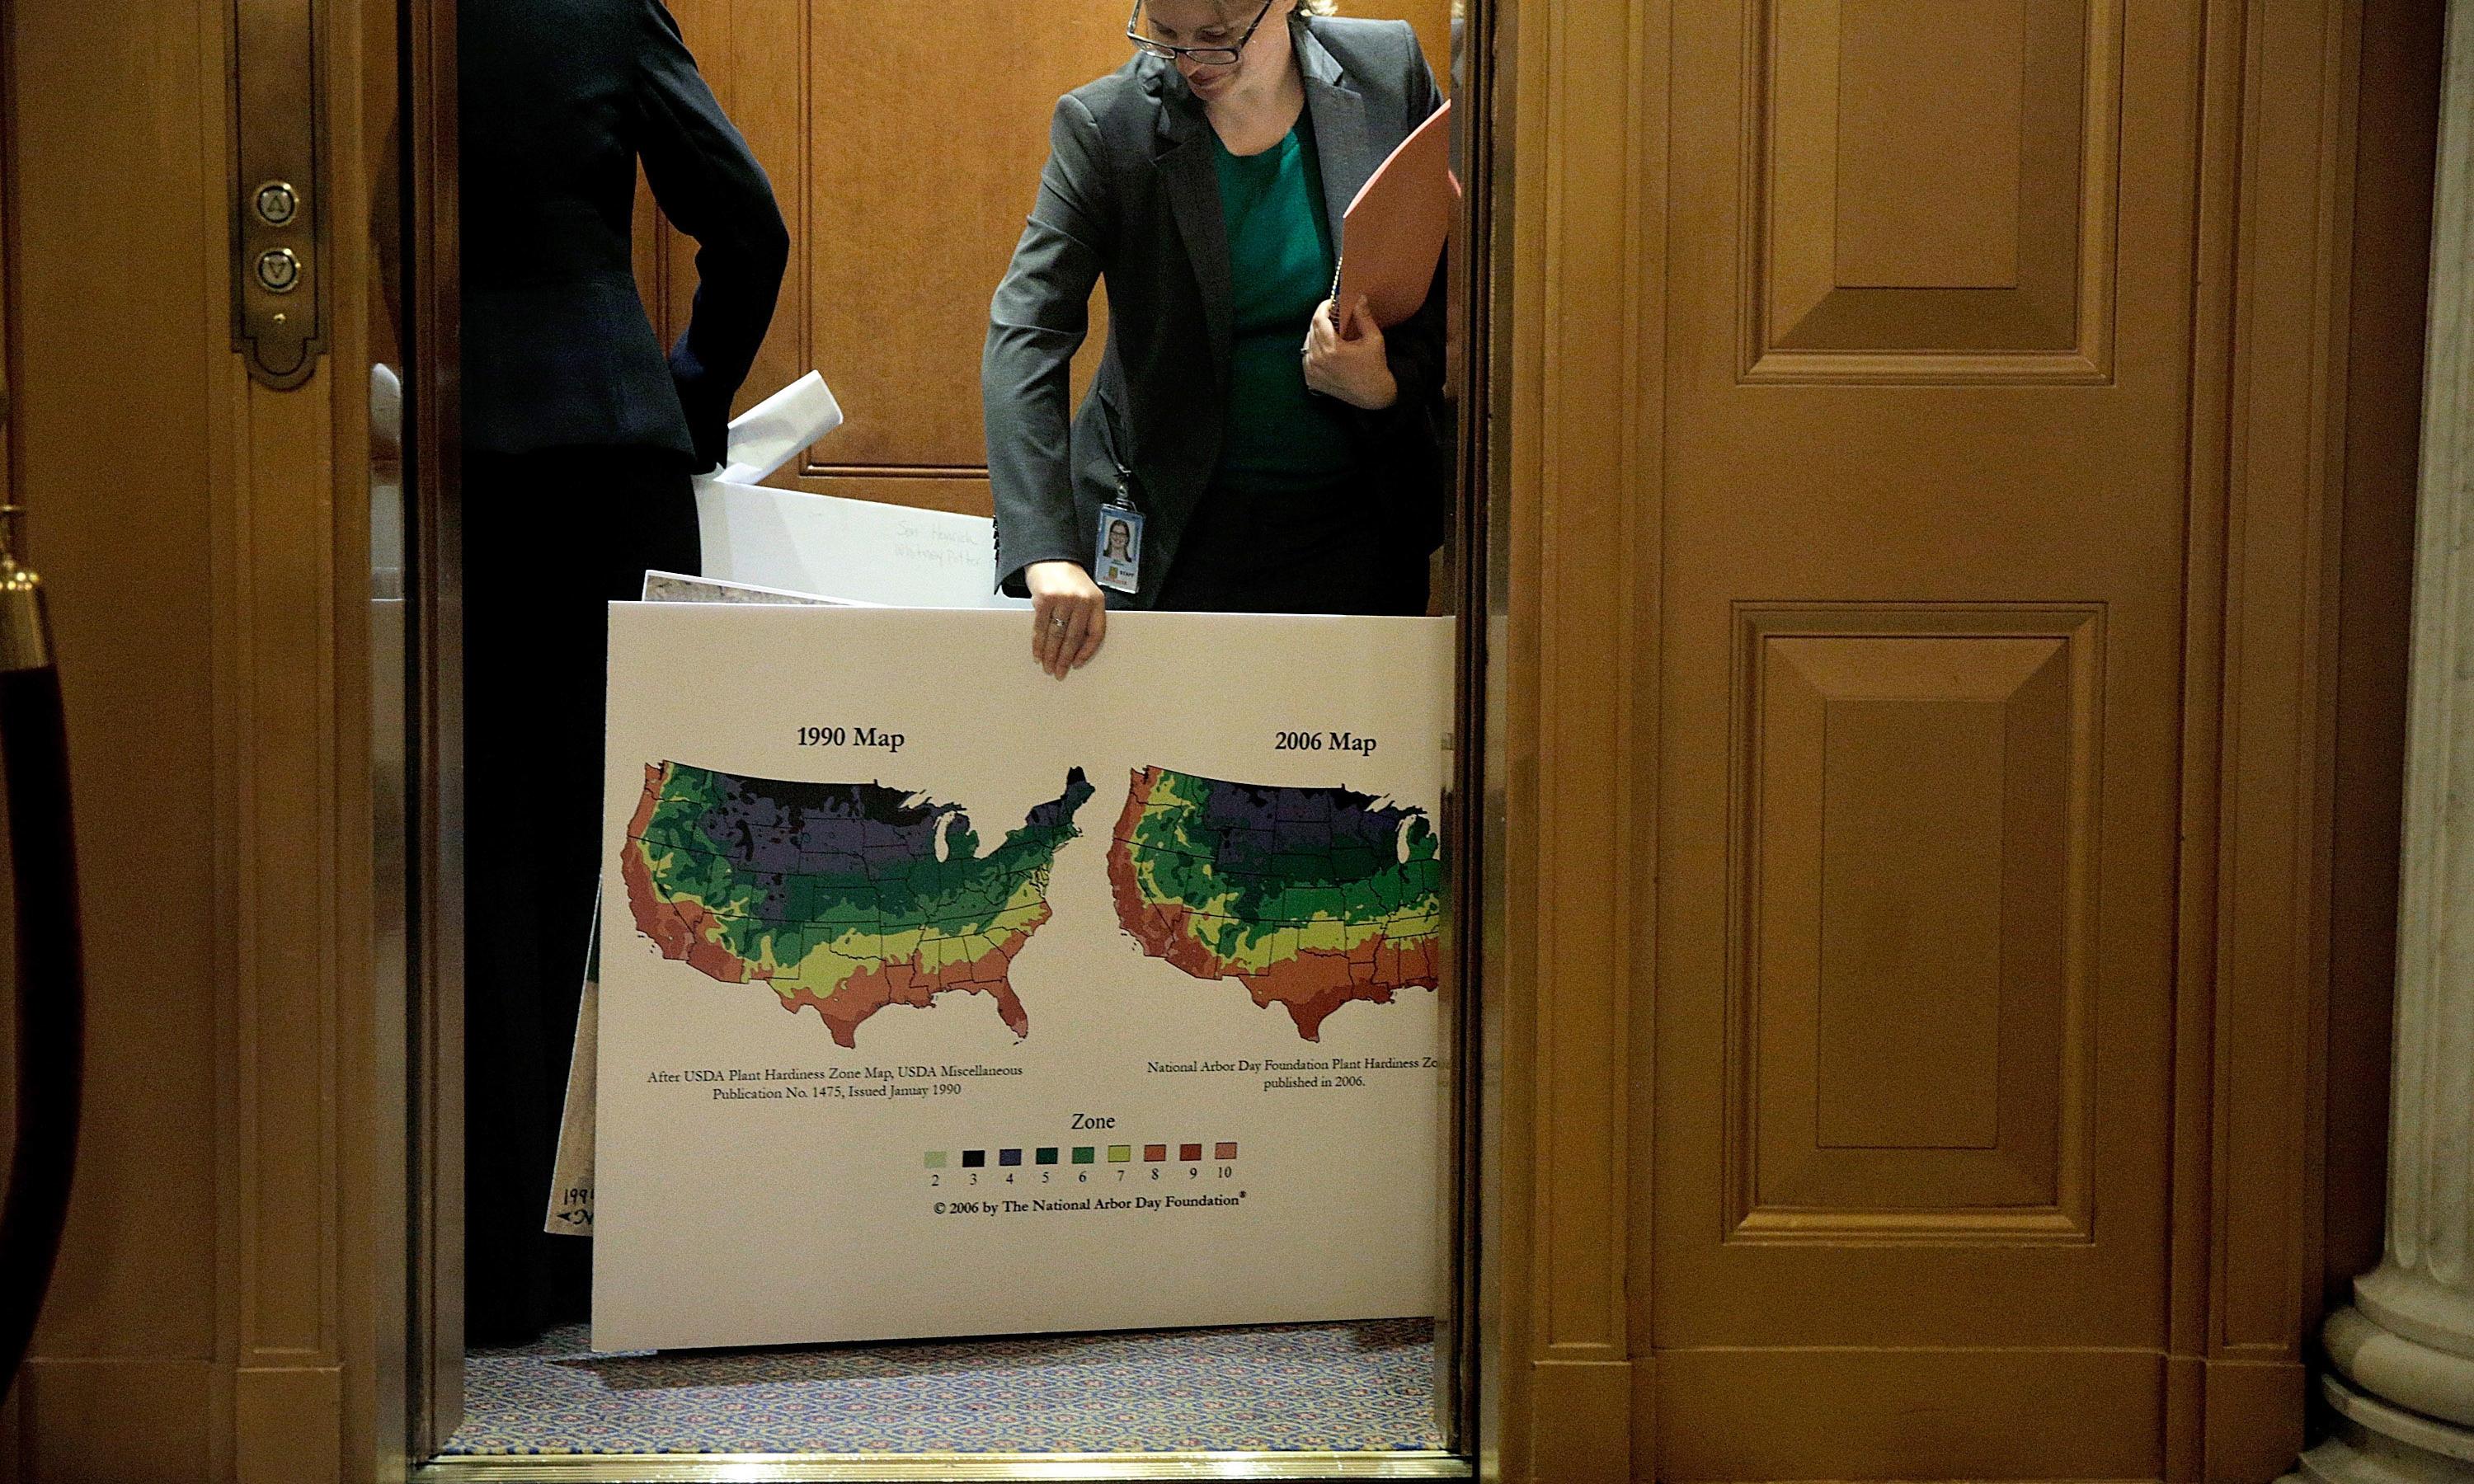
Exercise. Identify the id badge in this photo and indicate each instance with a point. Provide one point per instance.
(1120, 549)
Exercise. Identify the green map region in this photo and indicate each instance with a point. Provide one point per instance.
(1310, 897)
(845, 898)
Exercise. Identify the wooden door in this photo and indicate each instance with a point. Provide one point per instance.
(1945, 524)
(1925, 491)
(906, 149)
(1922, 460)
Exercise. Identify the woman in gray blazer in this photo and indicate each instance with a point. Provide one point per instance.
(1283, 453)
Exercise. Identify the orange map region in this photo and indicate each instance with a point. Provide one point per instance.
(904, 981)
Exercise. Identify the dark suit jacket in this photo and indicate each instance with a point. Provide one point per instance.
(560, 99)
(1130, 194)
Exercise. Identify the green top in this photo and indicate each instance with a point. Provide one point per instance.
(1281, 437)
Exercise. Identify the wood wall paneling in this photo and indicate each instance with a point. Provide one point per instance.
(905, 153)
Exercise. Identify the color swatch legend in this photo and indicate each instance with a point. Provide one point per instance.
(1223, 1152)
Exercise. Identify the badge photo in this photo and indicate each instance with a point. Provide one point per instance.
(1120, 563)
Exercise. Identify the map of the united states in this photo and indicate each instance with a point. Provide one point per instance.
(844, 897)
(1310, 897)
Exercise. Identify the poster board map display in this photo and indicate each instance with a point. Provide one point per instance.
(948, 998)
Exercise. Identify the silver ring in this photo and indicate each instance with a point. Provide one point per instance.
(1057, 623)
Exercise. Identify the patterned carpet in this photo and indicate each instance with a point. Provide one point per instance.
(1353, 1387)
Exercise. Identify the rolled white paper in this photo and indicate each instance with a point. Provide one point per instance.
(771, 433)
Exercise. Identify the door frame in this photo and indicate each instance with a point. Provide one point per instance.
(421, 1380)
(431, 1178)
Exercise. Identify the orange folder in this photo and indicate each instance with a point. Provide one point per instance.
(1393, 234)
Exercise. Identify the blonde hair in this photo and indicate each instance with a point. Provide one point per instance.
(1241, 8)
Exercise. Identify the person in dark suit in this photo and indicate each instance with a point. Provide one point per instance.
(1284, 450)
(580, 438)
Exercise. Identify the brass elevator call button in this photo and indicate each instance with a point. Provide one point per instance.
(279, 272)
(277, 203)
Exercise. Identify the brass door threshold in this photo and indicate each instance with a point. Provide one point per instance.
(924, 1467)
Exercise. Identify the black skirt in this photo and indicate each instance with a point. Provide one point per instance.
(1317, 551)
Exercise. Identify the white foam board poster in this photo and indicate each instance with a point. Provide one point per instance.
(941, 997)
(855, 550)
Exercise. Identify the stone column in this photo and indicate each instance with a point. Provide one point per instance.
(2403, 1392)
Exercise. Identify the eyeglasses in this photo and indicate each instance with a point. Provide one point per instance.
(1203, 56)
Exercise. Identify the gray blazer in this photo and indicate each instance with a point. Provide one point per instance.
(1130, 195)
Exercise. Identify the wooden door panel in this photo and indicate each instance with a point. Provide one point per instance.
(1924, 490)
(1933, 188)
(1916, 798)
(906, 150)
(915, 201)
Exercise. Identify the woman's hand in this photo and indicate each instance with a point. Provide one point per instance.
(1349, 364)
(1068, 615)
